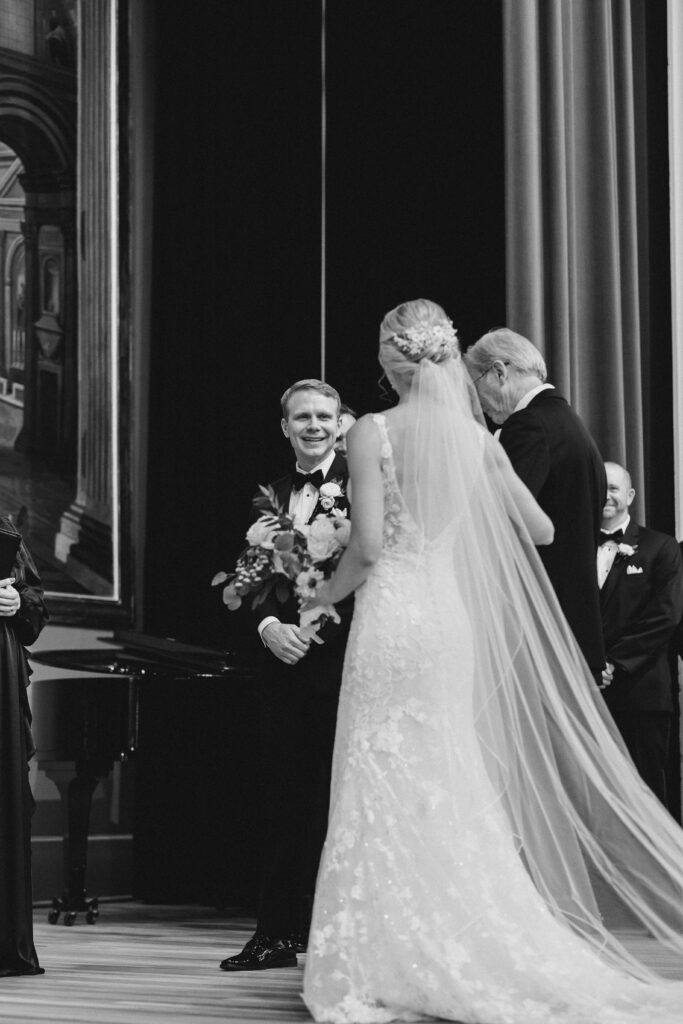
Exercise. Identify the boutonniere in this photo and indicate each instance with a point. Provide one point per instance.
(331, 493)
(626, 550)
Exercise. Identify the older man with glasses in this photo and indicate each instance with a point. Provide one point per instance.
(558, 460)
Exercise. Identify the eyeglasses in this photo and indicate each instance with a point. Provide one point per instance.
(505, 362)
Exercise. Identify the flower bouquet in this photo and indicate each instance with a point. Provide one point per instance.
(281, 558)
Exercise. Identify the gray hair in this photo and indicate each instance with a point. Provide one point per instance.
(309, 384)
(510, 347)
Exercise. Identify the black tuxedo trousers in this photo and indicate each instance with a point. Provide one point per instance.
(298, 713)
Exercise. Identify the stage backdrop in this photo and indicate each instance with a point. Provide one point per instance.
(414, 190)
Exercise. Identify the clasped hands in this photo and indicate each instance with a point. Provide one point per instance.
(607, 676)
(285, 641)
(289, 642)
(10, 601)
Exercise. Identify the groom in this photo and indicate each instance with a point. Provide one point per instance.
(299, 684)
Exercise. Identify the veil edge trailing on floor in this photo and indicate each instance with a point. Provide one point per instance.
(600, 848)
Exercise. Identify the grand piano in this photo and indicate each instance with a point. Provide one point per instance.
(186, 717)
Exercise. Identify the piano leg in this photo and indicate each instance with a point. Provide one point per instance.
(78, 800)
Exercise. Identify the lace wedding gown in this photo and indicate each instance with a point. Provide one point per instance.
(424, 907)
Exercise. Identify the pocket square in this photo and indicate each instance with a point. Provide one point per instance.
(631, 570)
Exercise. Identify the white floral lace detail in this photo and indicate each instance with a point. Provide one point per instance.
(423, 907)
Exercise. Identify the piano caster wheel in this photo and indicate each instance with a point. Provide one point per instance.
(93, 911)
(53, 917)
(70, 918)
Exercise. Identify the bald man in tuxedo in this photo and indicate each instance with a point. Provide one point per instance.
(640, 575)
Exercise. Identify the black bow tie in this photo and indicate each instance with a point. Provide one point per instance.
(299, 479)
(617, 535)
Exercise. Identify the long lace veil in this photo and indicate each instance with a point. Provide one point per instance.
(600, 848)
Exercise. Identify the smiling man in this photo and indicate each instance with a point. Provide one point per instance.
(553, 453)
(298, 689)
(641, 598)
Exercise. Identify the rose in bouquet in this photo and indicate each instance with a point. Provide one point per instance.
(284, 559)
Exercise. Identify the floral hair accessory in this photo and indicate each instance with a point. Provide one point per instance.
(437, 341)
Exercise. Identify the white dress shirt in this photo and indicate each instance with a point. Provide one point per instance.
(607, 552)
(523, 402)
(303, 502)
(301, 505)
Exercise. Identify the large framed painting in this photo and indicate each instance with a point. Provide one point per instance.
(63, 340)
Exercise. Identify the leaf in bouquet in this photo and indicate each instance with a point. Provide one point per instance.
(220, 577)
(282, 590)
(231, 598)
(268, 499)
(291, 564)
(260, 597)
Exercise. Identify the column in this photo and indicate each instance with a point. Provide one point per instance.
(87, 536)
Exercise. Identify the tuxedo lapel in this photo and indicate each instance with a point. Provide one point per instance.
(339, 472)
(619, 564)
(338, 467)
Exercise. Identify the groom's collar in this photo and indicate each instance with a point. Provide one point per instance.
(324, 465)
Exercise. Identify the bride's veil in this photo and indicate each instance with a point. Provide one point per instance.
(600, 848)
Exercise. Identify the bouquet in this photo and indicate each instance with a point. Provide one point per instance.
(281, 558)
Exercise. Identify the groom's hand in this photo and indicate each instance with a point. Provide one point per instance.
(284, 640)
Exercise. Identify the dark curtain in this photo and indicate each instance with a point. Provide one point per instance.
(415, 205)
(587, 221)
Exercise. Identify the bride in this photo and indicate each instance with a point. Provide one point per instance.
(488, 839)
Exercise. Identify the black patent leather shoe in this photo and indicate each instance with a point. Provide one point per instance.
(260, 954)
(297, 941)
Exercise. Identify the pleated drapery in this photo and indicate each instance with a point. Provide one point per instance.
(577, 208)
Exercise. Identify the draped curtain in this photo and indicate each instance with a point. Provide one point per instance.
(577, 209)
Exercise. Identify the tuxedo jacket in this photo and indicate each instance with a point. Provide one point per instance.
(322, 666)
(642, 603)
(558, 460)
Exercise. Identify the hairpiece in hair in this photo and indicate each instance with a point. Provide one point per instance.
(436, 341)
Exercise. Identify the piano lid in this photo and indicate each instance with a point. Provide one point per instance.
(142, 656)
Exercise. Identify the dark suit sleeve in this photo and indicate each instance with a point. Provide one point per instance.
(525, 442)
(32, 614)
(644, 638)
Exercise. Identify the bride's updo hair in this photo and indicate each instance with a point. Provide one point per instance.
(414, 331)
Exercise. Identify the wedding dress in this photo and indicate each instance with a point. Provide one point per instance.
(487, 834)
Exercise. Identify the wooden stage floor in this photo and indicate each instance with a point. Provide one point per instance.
(144, 964)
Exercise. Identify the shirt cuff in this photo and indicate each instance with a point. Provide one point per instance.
(262, 625)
